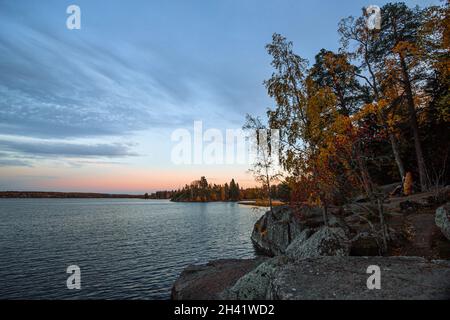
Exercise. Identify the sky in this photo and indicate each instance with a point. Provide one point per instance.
(95, 109)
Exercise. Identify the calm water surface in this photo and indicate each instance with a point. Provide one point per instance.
(126, 249)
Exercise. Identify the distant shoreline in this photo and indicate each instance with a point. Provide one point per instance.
(95, 195)
(67, 195)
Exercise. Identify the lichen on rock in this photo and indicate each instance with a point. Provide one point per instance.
(324, 242)
(442, 219)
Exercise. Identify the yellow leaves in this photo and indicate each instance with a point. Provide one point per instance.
(366, 110)
(337, 64)
(320, 112)
(392, 120)
(315, 201)
(380, 110)
(342, 125)
(406, 47)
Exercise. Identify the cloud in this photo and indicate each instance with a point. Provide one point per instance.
(14, 163)
(62, 92)
(60, 84)
(59, 87)
(63, 149)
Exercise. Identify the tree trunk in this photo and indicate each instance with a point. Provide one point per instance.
(392, 139)
(398, 160)
(394, 146)
(414, 125)
(365, 176)
(268, 194)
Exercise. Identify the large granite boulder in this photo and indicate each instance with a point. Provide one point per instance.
(254, 285)
(346, 278)
(276, 229)
(442, 219)
(206, 282)
(326, 241)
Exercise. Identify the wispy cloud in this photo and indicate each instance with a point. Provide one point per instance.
(14, 163)
(50, 88)
(49, 148)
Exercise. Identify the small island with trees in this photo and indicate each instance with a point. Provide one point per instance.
(202, 191)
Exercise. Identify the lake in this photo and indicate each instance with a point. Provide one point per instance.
(125, 248)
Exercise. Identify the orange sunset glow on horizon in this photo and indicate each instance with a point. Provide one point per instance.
(121, 180)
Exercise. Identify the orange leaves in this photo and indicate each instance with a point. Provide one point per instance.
(330, 163)
(407, 48)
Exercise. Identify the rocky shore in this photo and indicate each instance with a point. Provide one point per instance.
(305, 259)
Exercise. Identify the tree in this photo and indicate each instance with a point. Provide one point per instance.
(234, 191)
(222, 194)
(434, 120)
(324, 146)
(265, 169)
(333, 91)
(284, 191)
(335, 72)
(397, 45)
(227, 192)
(286, 87)
(355, 32)
(203, 183)
(304, 110)
(200, 190)
(347, 118)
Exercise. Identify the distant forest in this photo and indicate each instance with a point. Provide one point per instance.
(64, 195)
(202, 191)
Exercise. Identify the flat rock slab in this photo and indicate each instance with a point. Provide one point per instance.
(206, 282)
(346, 278)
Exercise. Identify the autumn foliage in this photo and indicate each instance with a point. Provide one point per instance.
(375, 112)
